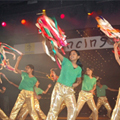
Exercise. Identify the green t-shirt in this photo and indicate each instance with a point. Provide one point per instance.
(68, 74)
(38, 90)
(88, 83)
(101, 91)
(27, 83)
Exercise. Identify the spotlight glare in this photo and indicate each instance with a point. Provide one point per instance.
(4, 24)
(23, 21)
(90, 13)
(62, 16)
(44, 11)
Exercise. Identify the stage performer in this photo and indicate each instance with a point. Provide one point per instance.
(53, 75)
(116, 111)
(27, 92)
(86, 93)
(24, 110)
(54, 78)
(63, 89)
(3, 116)
(102, 99)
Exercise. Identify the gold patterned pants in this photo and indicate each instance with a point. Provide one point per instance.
(87, 97)
(3, 116)
(103, 101)
(116, 111)
(62, 93)
(24, 111)
(28, 98)
(63, 105)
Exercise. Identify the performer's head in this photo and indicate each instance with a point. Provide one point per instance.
(29, 69)
(89, 71)
(98, 83)
(74, 56)
(37, 84)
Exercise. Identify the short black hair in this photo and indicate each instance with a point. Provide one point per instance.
(91, 68)
(32, 67)
(98, 81)
(78, 61)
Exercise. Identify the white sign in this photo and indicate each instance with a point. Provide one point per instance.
(30, 48)
(86, 43)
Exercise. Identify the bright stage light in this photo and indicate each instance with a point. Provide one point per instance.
(44, 11)
(23, 21)
(90, 13)
(4, 24)
(62, 16)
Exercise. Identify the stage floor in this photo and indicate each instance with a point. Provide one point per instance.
(78, 118)
(84, 118)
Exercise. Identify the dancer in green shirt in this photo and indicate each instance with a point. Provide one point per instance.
(24, 110)
(27, 92)
(102, 99)
(86, 93)
(63, 89)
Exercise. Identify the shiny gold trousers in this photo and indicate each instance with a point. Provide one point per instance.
(62, 93)
(116, 111)
(24, 111)
(28, 98)
(3, 116)
(103, 101)
(87, 97)
(63, 105)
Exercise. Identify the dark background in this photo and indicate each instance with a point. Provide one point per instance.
(76, 19)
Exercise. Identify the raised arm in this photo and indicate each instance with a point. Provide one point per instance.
(49, 86)
(116, 53)
(114, 90)
(60, 56)
(77, 83)
(17, 64)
